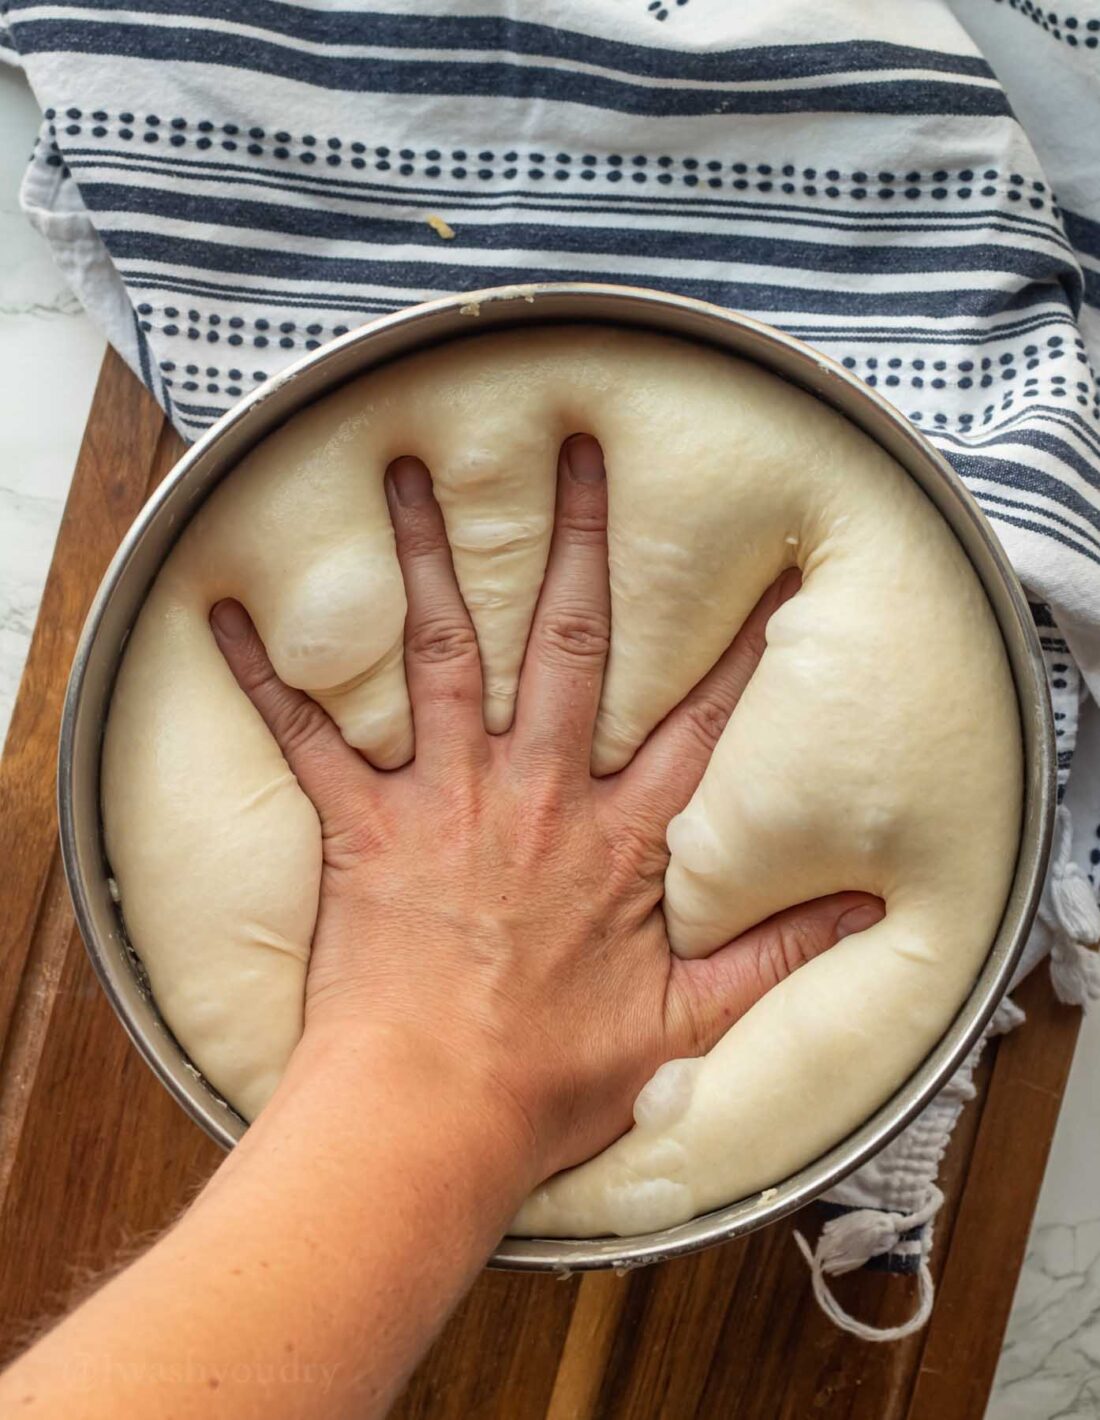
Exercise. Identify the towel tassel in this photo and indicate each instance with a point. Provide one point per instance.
(851, 1240)
(1070, 911)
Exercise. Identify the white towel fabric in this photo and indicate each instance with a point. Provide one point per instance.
(910, 188)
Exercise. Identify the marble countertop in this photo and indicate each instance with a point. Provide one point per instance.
(49, 360)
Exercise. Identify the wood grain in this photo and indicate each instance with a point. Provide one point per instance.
(95, 1157)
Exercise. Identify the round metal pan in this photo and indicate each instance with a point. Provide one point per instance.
(156, 528)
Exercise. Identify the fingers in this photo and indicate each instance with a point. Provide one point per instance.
(442, 665)
(706, 996)
(667, 769)
(318, 756)
(559, 691)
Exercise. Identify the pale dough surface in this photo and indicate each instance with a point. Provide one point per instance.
(877, 746)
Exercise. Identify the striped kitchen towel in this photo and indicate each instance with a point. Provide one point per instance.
(229, 183)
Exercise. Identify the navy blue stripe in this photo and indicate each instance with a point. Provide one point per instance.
(150, 160)
(1082, 232)
(215, 411)
(150, 377)
(374, 29)
(266, 296)
(1006, 430)
(424, 276)
(1005, 433)
(1059, 413)
(1059, 449)
(143, 354)
(1049, 444)
(854, 259)
(997, 516)
(1073, 422)
(419, 78)
(337, 300)
(1055, 415)
(630, 204)
(1027, 479)
(1091, 286)
(1045, 513)
(923, 335)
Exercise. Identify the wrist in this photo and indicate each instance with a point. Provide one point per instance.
(356, 1081)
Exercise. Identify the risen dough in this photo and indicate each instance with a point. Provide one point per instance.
(877, 746)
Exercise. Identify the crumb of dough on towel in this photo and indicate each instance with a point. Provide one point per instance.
(439, 227)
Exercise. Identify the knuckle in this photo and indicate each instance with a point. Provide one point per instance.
(706, 718)
(547, 799)
(583, 524)
(348, 838)
(695, 1029)
(577, 633)
(298, 724)
(771, 966)
(786, 947)
(440, 642)
(254, 672)
(637, 853)
(423, 536)
(687, 1017)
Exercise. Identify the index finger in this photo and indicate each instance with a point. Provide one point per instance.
(322, 761)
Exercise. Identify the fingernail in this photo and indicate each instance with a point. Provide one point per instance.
(584, 459)
(230, 620)
(409, 482)
(858, 919)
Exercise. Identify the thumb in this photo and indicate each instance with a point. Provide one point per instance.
(706, 996)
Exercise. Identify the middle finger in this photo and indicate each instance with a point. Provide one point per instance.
(442, 664)
(559, 690)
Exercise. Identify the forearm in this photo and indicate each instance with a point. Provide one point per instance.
(327, 1251)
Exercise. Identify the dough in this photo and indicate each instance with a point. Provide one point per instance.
(877, 746)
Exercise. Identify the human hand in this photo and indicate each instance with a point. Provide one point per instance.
(492, 900)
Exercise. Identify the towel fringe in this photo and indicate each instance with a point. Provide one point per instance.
(1070, 911)
(1006, 1017)
(848, 1242)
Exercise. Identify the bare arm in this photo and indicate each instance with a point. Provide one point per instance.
(491, 985)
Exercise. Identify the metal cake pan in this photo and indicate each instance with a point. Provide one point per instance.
(147, 544)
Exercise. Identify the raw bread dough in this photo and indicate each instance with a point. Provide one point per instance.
(877, 746)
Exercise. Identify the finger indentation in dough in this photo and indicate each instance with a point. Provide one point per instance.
(336, 620)
(373, 712)
(698, 849)
(651, 1203)
(666, 1095)
(257, 935)
(276, 785)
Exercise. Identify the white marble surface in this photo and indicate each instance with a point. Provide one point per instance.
(49, 358)
(1050, 1365)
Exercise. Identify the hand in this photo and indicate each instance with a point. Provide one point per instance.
(492, 900)
(490, 986)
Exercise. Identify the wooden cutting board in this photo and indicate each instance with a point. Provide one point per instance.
(95, 1157)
